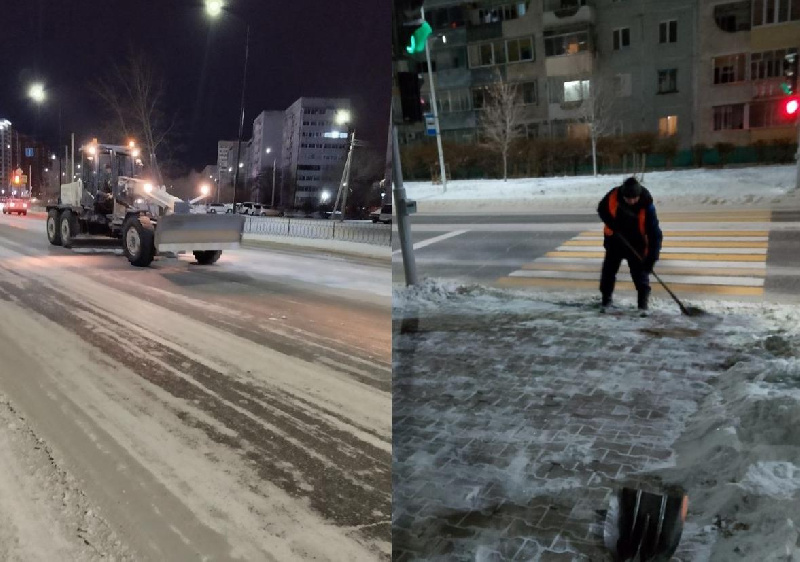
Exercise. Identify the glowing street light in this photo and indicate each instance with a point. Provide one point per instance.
(214, 7)
(36, 92)
(204, 189)
(269, 150)
(342, 117)
(324, 196)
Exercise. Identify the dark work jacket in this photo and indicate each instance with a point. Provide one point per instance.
(638, 224)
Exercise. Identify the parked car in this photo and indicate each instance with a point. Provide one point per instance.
(16, 205)
(383, 215)
(248, 208)
(218, 208)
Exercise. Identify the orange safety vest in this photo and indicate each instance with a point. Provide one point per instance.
(613, 204)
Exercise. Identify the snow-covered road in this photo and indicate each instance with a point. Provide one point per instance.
(234, 412)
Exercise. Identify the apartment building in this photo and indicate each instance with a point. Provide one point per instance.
(739, 69)
(702, 71)
(315, 145)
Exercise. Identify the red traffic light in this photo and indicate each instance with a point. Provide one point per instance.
(791, 106)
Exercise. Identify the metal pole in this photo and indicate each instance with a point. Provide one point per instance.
(403, 223)
(72, 170)
(435, 111)
(241, 119)
(348, 166)
(274, 164)
(797, 155)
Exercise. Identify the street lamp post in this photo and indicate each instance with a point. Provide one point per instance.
(274, 165)
(214, 8)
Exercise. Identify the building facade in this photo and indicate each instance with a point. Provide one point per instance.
(315, 145)
(742, 48)
(267, 142)
(6, 147)
(699, 71)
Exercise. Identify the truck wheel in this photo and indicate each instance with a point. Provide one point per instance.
(207, 257)
(138, 242)
(53, 231)
(68, 227)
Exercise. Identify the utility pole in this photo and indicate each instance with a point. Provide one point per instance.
(442, 173)
(274, 165)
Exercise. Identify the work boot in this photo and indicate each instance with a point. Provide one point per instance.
(642, 300)
(606, 301)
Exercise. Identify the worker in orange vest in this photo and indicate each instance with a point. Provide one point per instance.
(631, 232)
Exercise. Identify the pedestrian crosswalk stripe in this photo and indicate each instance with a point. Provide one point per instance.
(671, 261)
(721, 262)
(704, 233)
(598, 242)
(678, 256)
(666, 277)
(663, 269)
(668, 249)
(729, 216)
(725, 290)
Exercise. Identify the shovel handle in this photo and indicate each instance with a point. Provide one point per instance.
(636, 254)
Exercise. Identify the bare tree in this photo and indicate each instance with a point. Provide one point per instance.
(597, 112)
(133, 93)
(500, 122)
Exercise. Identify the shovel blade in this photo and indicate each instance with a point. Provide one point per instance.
(191, 233)
(644, 527)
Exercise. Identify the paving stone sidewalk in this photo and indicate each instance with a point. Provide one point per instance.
(511, 431)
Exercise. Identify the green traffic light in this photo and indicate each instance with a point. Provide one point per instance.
(416, 43)
(787, 89)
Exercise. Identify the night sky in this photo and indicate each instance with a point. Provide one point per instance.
(312, 48)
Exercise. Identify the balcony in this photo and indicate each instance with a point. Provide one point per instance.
(560, 13)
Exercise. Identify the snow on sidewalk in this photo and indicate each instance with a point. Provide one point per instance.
(516, 415)
(760, 186)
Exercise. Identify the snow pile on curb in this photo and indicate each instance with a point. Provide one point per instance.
(754, 187)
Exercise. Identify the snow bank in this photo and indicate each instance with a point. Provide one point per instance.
(756, 186)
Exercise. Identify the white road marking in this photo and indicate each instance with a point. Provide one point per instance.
(434, 240)
(688, 279)
(680, 250)
(679, 263)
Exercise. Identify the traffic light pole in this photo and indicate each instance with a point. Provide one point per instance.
(403, 222)
(442, 173)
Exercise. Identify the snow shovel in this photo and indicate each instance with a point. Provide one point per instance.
(688, 311)
(644, 527)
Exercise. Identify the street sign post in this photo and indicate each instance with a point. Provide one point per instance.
(430, 125)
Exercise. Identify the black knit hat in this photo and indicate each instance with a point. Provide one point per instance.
(631, 188)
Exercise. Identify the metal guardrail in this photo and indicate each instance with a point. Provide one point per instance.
(321, 229)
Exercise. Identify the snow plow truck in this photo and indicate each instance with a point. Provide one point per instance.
(113, 198)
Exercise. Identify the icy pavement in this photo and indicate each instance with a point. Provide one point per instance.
(516, 415)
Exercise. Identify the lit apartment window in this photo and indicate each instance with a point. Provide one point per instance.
(668, 126)
(668, 31)
(729, 117)
(668, 81)
(566, 43)
(730, 68)
(766, 12)
(576, 90)
(622, 38)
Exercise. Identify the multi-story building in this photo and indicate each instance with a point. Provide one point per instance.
(742, 48)
(226, 159)
(701, 71)
(267, 140)
(315, 145)
(6, 144)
